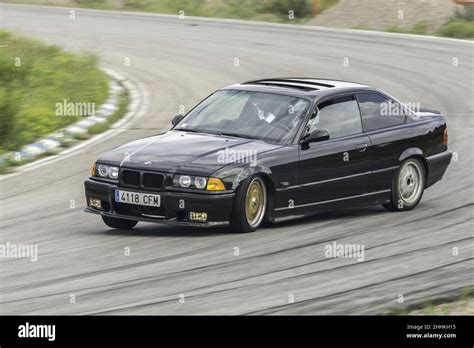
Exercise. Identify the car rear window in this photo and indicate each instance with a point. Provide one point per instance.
(379, 112)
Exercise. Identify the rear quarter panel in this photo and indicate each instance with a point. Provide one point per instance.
(422, 137)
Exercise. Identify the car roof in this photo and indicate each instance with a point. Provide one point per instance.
(313, 88)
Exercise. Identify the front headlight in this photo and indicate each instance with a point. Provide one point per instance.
(200, 182)
(113, 173)
(184, 181)
(103, 170)
(188, 181)
(107, 172)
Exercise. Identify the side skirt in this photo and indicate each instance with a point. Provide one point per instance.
(300, 211)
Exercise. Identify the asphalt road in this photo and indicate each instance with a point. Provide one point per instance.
(178, 62)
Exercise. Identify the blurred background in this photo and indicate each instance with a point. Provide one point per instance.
(70, 70)
(441, 17)
(31, 87)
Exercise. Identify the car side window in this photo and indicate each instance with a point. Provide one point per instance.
(339, 116)
(379, 112)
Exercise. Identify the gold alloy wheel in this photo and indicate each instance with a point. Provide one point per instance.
(255, 202)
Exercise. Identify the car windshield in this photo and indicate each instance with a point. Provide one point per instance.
(271, 117)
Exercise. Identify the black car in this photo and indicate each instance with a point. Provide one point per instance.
(273, 150)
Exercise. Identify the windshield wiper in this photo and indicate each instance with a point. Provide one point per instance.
(220, 133)
(236, 135)
(189, 130)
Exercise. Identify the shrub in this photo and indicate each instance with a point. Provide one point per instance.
(458, 28)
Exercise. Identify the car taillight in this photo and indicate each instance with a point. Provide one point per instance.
(445, 136)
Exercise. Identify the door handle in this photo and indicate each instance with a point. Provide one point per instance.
(361, 147)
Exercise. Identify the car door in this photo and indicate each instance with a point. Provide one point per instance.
(337, 168)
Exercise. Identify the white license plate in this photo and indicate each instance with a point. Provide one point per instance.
(137, 198)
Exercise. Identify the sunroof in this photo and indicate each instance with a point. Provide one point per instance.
(307, 85)
(312, 82)
(285, 84)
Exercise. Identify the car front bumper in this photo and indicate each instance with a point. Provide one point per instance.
(174, 207)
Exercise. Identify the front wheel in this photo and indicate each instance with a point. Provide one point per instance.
(249, 206)
(408, 186)
(121, 224)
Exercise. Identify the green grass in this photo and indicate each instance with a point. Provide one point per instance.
(458, 28)
(34, 78)
(463, 304)
(421, 28)
(261, 10)
(96, 129)
(101, 127)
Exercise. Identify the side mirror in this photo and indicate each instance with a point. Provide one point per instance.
(177, 119)
(317, 135)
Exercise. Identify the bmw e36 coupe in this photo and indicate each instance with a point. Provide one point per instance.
(272, 150)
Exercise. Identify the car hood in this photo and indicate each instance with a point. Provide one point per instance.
(187, 153)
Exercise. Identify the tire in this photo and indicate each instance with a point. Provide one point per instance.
(249, 205)
(121, 224)
(408, 186)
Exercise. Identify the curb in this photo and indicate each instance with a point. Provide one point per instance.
(138, 104)
(55, 140)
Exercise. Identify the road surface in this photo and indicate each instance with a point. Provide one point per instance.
(428, 251)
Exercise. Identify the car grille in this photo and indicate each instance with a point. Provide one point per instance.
(136, 178)
(131, 177)
(151, 180)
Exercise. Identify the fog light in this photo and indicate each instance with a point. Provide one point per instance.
(195, 216)
(95, 203)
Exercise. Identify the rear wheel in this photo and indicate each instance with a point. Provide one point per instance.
(121, 224)
(408, 186)
(249, 206)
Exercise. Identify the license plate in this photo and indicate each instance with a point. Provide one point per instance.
(137, 198)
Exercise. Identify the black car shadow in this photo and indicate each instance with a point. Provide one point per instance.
(157, 230)
(343, 213)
